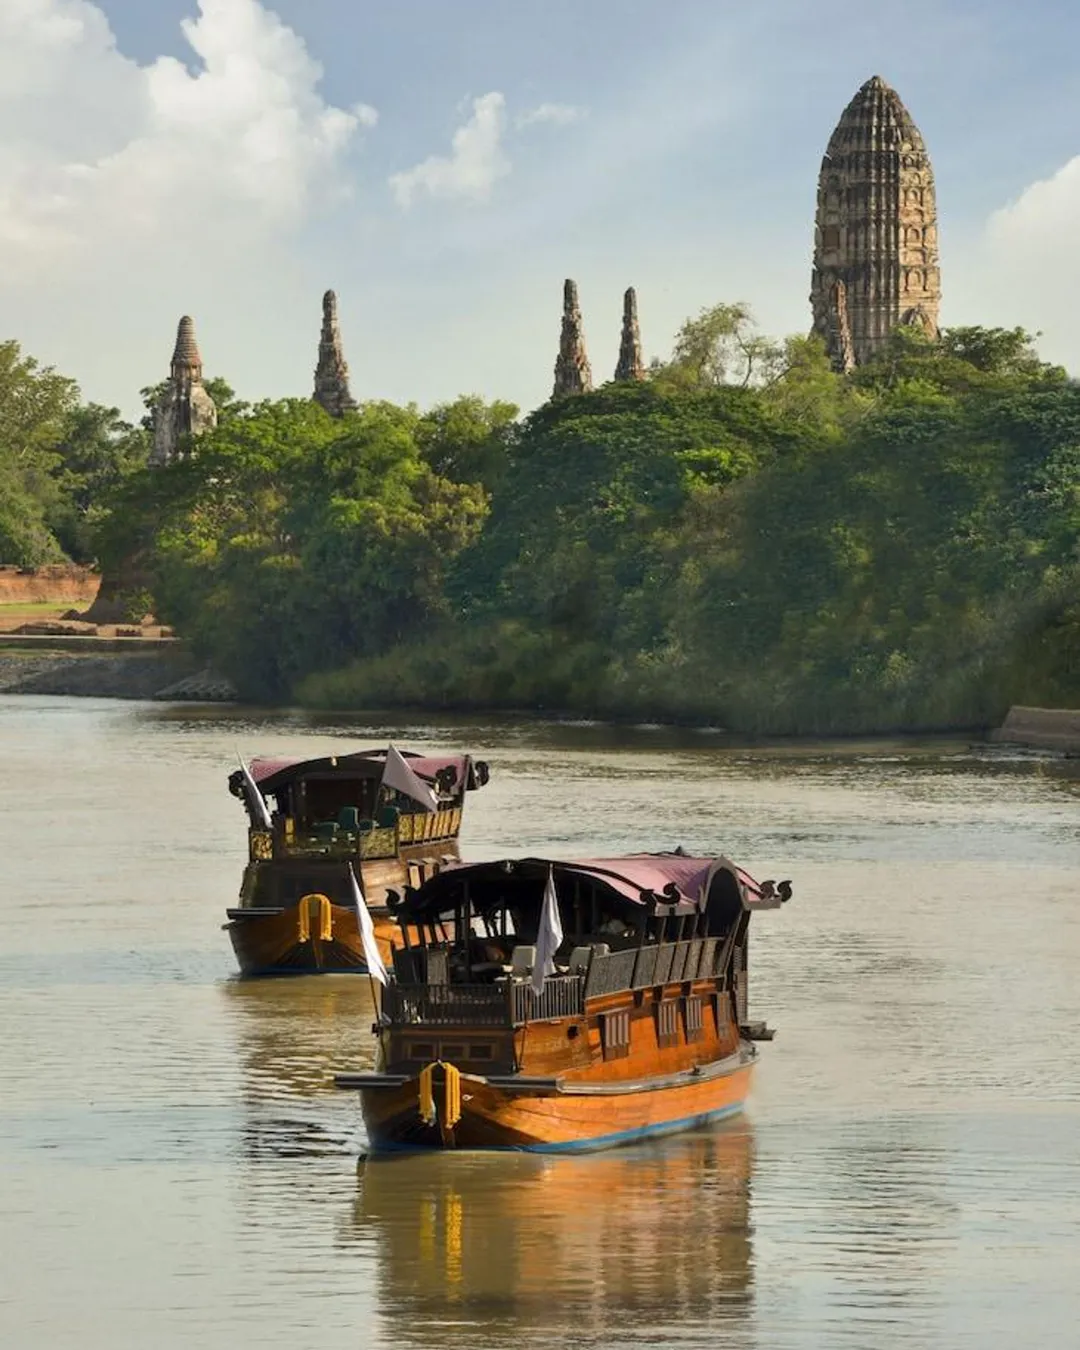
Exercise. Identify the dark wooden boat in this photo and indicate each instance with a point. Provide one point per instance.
(310, 822)
(641, 1027)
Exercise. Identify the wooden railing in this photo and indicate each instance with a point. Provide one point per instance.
(379, 841)
(643, 967)
(562, 996)
(513, 1003)
(445, 1005)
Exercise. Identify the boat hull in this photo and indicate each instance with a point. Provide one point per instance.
(309, 938)
(565, 1119)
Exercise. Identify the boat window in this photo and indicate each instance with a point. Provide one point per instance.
(615, 1029)
(422, 1050)
(325, 798)
(667, 1022)
(694, 1025)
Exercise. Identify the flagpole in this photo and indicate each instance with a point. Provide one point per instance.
(369, 944)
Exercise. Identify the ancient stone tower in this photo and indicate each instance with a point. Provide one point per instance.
(185, 408)
(631, 365)
(875, 235)
(573, 374)
(331, 372)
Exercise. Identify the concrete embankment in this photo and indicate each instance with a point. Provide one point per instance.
(90, 667)
(1041, 729)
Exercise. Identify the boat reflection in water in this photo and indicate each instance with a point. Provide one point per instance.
(472, 1247)
(288, 1037)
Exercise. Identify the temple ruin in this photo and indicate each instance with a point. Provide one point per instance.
(875, 233)
(332, 372)
(573, 374)
(631, 363)
(185, 409)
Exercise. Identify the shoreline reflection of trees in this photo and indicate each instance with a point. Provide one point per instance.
(659, 1233)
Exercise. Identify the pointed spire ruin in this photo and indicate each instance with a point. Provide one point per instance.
(573, 374)
(875, 230)
(631, 365)
(185, 409)
(331, 371)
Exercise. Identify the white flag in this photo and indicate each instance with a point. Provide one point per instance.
(372, 955)
(254, 796)
(397, 774)
(549, 936)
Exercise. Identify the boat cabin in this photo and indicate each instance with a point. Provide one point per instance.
(309, 820)
(628, 930)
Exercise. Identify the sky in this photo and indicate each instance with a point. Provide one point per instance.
(445, 164)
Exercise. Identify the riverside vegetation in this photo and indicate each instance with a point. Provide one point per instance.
(745, 538)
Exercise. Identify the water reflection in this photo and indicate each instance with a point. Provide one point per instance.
(473, 1248)
(291, 1036)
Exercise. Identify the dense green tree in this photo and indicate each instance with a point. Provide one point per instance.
(96, 451)
(468, 441)
(294, 541)
(35, 403)
(721, 345)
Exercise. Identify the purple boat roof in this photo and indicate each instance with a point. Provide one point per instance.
(630, 875)
(263, 770)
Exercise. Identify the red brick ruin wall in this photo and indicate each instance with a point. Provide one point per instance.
(60, 585)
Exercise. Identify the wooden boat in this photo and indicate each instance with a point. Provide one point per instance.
(309, 822)
(640, 1028)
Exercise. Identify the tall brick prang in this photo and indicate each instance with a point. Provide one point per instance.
(185, 409)
(331, 371)
(573, 375)
(875, 234)
(631, 364)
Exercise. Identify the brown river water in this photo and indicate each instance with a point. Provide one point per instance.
(177, 1170)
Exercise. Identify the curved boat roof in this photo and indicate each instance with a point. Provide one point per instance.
(270, 773)
(668, 879)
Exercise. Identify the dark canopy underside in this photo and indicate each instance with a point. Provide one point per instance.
(675, 882)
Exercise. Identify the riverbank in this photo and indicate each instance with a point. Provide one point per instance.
(127, 668)
(162, 668)
(1041, 729)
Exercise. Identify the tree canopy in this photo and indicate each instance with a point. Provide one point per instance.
(745, 537)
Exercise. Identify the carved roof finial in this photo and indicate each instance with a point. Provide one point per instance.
(331, 370)
(573, 374)
(186, 360)
(631, 364)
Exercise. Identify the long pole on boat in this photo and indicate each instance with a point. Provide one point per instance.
(372, 956)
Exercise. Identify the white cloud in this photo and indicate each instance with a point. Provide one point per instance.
(550, 114)
(476, 161)
(100, 152)
(365, 114)
(1028, 268)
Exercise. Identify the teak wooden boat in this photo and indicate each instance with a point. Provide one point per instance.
(641, 1027)
(310, 822)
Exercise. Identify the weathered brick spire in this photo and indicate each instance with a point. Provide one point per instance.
(573, 374)
(331, 372)
(631, 365)
(875, 235)
(185, 408)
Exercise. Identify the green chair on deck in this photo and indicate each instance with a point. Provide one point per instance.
(349, 819)
(387, 817)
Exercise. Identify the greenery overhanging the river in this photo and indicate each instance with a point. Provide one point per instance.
(746, 538)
